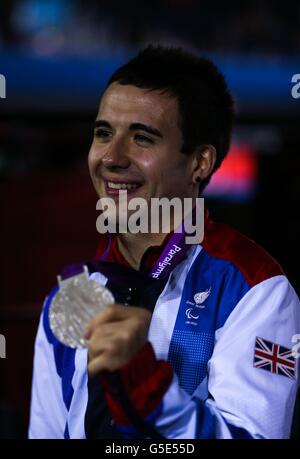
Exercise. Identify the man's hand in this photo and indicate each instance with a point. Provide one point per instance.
(115, 336)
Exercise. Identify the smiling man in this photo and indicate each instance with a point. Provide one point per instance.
(204, 351)
(137, 133)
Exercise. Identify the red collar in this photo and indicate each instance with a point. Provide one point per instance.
(114, 255)
(150, 256)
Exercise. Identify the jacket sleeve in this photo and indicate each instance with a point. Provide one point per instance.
(243, 401)
(47, 411)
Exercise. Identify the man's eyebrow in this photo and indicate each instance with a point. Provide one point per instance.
(132, 127)
(101, 123)
(146, 128)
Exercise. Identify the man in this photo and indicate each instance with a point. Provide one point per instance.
(204, 352)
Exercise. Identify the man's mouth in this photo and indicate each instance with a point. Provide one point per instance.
(113, 188)
(122, 186)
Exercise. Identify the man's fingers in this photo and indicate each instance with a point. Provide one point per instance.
(114, 341)
(101, 363)
(111, 313)
(115, 336)
(91, 328)
(107, 360)
(107, 315)
(104, 342)
(115, 312)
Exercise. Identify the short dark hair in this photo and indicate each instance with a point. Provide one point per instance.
(206, 107)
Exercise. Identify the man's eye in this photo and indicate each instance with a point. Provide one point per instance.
(102, 134)
(143, 139)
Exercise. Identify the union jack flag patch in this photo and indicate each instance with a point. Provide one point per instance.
(274, 358)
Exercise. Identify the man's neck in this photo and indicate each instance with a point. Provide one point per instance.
(133, 246)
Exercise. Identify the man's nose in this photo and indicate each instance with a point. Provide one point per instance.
(116, 156)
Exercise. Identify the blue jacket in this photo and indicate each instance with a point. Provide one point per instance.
(219, 363)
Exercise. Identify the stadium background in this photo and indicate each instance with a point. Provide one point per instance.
(56, 56)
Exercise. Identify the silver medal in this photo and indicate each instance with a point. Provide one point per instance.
(78, 300)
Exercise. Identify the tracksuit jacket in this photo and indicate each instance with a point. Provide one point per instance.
(219, 362)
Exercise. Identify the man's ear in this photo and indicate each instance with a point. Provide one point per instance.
(205, 159)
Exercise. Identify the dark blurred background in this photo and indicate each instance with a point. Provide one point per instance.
(56, 56)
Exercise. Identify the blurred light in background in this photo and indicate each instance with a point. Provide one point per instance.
(84, 26)
(43, 21)
(237, 177)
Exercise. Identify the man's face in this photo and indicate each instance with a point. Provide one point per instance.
(136, 146)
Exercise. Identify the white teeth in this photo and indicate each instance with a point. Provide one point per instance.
(122, 186)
